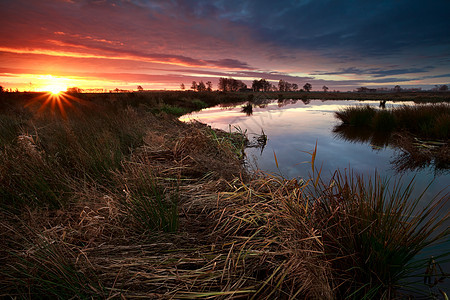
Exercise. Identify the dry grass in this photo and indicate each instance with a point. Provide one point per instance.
(226, 236)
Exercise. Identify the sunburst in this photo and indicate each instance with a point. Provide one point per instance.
(56, 101)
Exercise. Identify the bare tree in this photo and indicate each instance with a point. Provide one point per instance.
(182, 87)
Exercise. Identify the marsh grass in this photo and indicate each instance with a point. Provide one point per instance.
(373, 233)
(50, 268)
(356, 115)
(151, 206)
(430, 121)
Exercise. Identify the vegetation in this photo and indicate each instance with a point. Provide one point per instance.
(428, 121)
(114, 197)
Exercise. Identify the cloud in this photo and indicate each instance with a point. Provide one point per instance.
(376, 72)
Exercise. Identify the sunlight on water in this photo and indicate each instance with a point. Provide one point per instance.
(293, 127)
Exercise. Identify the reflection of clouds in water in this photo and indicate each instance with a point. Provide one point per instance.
(295, 127)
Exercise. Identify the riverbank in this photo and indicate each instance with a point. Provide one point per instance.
(111, 196)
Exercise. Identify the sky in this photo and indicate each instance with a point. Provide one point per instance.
(160, 44)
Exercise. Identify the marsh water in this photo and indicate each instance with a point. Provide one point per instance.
(294, 127)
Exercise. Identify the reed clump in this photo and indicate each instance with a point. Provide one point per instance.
(428, 121)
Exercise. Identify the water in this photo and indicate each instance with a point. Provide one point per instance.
(294, 127)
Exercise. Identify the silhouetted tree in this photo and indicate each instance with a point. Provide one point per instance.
(209, 86)
(182, 87)
(261, 85)
(256, 85)
(294, 87)
(443, 88)
(140, 88)
(1, 89)
(75, 90)
(325, 88)
(231, 85)
(201, 87)
(397, 89)
(307, 87)
(194, 85)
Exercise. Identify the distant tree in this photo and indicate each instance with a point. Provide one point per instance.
(140, 88)
(209, 86)
(182, 87)
(256, 85)
(231, 85)
(75, 90)
(282, 85)
(201, 87)
(294, 87)
(325, 88)
(265, 85)
(397, 89)
(1, 89)
(443, 88)
(307, 87)
(194, 85)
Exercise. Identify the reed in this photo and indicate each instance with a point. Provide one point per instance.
(429, 121)
(373, 234)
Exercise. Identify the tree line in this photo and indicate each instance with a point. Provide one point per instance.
(261, 85)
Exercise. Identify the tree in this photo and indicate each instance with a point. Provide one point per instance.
(294, 87)
(307, 87)
(182, 87)
(75, 90)
(140, 88)
(1, 89)
(325, 88)
(397, 89)
(201, 87)
(194, 85)
(256, 85)
(443, 88)
(209, 86)
(282, 85)
(231, 85)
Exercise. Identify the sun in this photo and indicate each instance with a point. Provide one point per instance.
(56, 89)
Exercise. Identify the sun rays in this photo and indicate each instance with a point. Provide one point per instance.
(57, 102)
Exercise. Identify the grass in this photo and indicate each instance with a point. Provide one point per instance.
(151, 206)
(116, 199)
(428, 121)
(373, 233)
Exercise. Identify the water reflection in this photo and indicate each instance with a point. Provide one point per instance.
(294, 126)
(352, 134)
(411, 155)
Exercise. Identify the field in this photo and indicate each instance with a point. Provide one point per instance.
(109, 195)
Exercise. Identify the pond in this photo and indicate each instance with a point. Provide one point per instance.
(294, 127)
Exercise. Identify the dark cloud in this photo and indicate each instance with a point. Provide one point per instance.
(376, 72)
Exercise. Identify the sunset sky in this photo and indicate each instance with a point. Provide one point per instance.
(161, 44)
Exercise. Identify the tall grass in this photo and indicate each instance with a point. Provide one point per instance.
(50, 269)
(373, 233)
(430, 121)
(150, 206)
